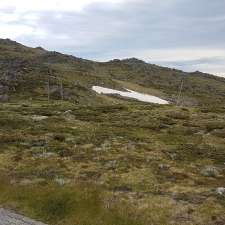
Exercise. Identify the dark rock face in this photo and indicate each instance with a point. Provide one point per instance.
(3, 89)
(4, 98)
(9, 76)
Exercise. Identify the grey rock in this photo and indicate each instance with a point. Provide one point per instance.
(60, 181)
(11, 75)
(39, 118)
(39, 143)
(173, 156)
(164, 167)
(3, 89)
(68, 112)
(210, 171)
(4, 98)
(220, 191)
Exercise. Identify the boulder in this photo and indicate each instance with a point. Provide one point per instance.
(220, 191)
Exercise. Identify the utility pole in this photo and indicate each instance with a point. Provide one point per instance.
(61, 89)
(180, 92)
(48, 89)
(48, 85)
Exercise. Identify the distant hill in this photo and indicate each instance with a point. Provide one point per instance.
(25, 73)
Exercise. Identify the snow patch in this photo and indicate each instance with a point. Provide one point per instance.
(131, 94)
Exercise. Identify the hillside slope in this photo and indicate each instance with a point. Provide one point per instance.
(25, 72)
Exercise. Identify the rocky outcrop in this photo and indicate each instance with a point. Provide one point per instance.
(3, 89)
(4, 98)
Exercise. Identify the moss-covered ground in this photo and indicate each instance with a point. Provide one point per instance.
(133, 164)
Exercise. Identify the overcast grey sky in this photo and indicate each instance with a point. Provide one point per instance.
(185, 34)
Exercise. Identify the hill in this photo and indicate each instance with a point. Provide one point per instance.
(25, 72)
(71, 156)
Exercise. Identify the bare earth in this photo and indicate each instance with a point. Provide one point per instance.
(9, 218)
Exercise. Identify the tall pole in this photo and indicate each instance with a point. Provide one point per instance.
(48, 84)
(61, 89)
(48, 88)
(180, 92)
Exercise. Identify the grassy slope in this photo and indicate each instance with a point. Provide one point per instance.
(98, 165)
(29, 68)
(106, 160)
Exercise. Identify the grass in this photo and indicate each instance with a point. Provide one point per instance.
(112, 164)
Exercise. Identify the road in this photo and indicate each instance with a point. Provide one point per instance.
(10, 218)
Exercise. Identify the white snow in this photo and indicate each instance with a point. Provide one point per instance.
(131, 94)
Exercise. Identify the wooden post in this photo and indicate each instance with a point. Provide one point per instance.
(48, 88)
(180, 92)
(48, 85)
(61, 89)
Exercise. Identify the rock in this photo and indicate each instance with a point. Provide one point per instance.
(26, 182)
(62, 181)
(163, 167)
(38, 143)
(24, 105)
(68, 112)
(220, 191)
(173, 156)
(210, 171)
(4, 98)
(11, 75)
(87, 146)
(111, 165)
(3, 89)
(39, 118)
(45, 154)
(68, 115)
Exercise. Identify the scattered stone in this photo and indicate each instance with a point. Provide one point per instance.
(70, 139)
(46, 155)
(210, 171)
(68, 112)
(105, 146)
(60, 181)
(25, 105)
(111, 165)
(26, 181)
(173, 156)
(87, 146)
(39, 118)
(163, 167)
(39, 143)
(220, 191)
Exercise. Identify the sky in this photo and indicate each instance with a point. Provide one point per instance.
(183, 34)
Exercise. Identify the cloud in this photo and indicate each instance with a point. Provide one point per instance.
(50, 5)
(174, 32)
